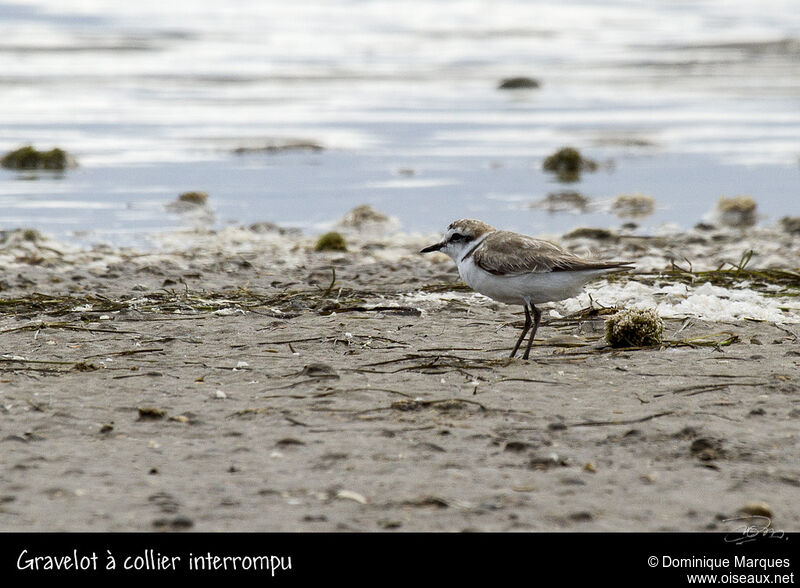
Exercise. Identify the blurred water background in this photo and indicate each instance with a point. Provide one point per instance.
(395, 104)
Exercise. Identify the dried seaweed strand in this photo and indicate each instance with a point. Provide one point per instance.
(621, 422)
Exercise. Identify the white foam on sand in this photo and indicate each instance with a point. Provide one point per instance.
(704, 301)
(440, 298)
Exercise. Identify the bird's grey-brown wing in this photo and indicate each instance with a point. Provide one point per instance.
(507, 253)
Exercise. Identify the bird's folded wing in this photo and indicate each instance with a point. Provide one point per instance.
(510, 254)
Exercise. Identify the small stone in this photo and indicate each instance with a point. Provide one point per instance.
(350, 495)
(756, 509)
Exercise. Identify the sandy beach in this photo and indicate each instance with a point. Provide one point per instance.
(238, 380)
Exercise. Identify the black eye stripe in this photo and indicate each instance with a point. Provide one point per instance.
(457, 237)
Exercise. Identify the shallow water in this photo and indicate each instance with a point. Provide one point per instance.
(684, 101)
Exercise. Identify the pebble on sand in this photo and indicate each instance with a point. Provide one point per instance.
(757, 509)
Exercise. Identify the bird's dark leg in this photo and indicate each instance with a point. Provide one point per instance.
(524, 330)
(537, 316)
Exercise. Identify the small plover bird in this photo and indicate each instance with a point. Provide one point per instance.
(517, 269)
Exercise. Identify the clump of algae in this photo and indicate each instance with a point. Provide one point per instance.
(633, 205)
(518, 83)
(739, 211)
(332, 241)
(197, 198)
(634, 327)
(363, 215)
(26, 158)
(568, 163)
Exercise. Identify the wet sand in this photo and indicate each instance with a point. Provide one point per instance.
(227, 384)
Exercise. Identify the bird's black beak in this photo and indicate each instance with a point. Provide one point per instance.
(435, 247)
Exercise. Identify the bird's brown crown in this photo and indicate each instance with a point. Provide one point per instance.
(471, 228)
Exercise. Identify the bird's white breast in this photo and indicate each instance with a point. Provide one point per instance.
(535, 287)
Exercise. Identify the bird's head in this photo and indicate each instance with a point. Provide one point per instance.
(460, 235)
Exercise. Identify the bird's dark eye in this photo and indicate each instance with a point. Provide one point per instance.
(457, 237)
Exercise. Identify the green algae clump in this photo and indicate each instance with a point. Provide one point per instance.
(518, 83)
(196, 198)
(739, 211)
(26, 158)
(634, 327)
(633, 205)
(568, 163)
(332, 241)
(791, 224)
